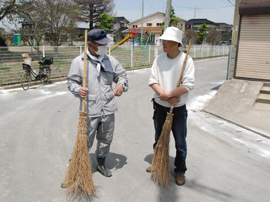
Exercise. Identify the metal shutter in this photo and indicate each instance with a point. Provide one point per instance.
(253, 57)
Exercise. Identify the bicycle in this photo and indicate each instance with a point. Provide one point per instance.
(43, 75)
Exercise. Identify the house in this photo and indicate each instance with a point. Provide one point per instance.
(224, 28)
(152, 29)
(196, 23)
(252, 40)
(226, 31)
(116, 33)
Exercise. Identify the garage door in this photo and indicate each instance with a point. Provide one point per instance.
(253, 57)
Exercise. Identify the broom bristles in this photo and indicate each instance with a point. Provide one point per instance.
(78, 179)
(160, 163)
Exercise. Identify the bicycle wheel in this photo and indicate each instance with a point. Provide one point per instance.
(45, 75)
(26, 80)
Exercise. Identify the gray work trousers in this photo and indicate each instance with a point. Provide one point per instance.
(103, 128)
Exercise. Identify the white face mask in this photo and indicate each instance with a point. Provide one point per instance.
(102, 50)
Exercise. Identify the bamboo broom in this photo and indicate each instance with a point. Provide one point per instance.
(160, 164)
(78, 179)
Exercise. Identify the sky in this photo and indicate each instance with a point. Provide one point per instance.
(213, 10)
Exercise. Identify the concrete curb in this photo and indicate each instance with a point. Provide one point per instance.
(234, 102)
(19, 85)
(240, 125)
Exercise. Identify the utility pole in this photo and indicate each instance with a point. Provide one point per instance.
(195, 12)
(167, 16)
(142, 22)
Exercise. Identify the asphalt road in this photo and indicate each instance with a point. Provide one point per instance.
(39, 127)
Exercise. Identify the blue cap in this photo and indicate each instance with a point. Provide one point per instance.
(99, 36)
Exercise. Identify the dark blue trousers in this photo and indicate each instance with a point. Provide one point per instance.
(179, 130)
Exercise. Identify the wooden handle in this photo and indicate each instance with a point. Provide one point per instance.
(184, 64)
(84, 68)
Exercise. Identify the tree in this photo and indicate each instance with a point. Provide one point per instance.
(213, 36)
(105, 22)
(60, 20)
(53, 19)
(27, 14)
(190, 34)
(173, 20)
(2, 37)
(202, 33)
(91, 9)
(6, 7)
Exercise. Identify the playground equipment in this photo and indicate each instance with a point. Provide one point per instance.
(133, 33)
(139, 50)
(119, 43)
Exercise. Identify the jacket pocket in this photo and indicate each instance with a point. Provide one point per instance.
(91, 97)
(109, 95)
(110, 104)
(92, 105)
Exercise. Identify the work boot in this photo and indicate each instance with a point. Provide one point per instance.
(150, 169)
(102, 169)
(180, 179)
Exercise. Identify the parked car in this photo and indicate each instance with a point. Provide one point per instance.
(223, 43)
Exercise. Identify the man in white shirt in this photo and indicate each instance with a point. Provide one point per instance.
(164, 78)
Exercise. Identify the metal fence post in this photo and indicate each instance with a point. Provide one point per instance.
(149, 53)
(43, 50)
(156, 51)
(229, 65)
(80, 50)
(131, 48)
(201, 51)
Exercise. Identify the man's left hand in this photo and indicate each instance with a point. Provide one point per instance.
(118, 90)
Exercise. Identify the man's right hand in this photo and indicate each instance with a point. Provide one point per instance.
(83, 92)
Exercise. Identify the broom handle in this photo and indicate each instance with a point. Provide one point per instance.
(84, 68)
(183, 69)
(184, 64)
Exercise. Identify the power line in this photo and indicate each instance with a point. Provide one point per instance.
(230, 2)
(151, 6)
(201, 8)
(192, 8)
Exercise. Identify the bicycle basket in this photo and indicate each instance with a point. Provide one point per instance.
(26, 66)
(48, 61)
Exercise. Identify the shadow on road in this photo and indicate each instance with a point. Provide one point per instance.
(113, 160)
(165, 193)
(212, 192)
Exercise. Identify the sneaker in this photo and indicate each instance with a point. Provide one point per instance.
(150, 169)
(180, 179)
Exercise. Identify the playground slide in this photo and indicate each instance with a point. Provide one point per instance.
(119, 43)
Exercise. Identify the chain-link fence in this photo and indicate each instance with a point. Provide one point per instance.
(131, 57)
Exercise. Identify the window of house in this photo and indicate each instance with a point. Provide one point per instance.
(122, 24)
(149, 24)
(135, 26)
(158, 24)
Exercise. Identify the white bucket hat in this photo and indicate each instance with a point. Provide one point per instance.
(172, 34)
